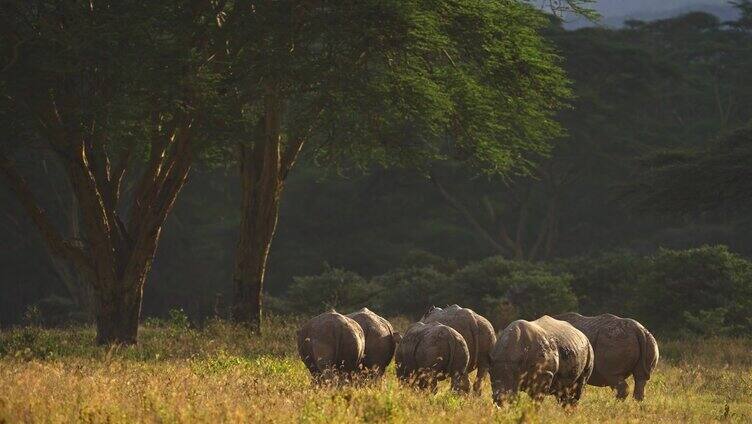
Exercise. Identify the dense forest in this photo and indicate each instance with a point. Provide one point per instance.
(651, 163)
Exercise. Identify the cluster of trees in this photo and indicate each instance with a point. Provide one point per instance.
(703, 291)
(128, 96)
(108, 108)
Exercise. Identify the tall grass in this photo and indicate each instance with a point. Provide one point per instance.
(221, 373)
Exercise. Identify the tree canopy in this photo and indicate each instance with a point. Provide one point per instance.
(129, 96)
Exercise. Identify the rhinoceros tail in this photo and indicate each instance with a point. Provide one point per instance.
(648, 352)
(459, 357)
(451, 368)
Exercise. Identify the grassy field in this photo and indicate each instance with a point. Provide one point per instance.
(222, 374)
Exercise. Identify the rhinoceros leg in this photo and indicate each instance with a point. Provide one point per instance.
(639, 389)
(464, 383)
(571, 395)
(479, 376)
(622, 389)
(461, 382)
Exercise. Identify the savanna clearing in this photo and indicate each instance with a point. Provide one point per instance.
(220, 373)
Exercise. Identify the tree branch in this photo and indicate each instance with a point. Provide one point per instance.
(291, 153)
(468, 215)
(59, 246)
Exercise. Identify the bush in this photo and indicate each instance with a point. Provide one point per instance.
(703, 291)
(505, 290)
(706, 291)
(407, 291)
(540, 293)
(607, 283)
(417, 258)
(334, 288)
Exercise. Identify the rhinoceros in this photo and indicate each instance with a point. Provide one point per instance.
(478, 334)
(429, 353)
(331, 345)
(541, 357)
(622, 346)
(381, 340)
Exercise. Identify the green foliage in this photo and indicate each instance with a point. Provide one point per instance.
(539, 292)
(417, 258)
(129, 68)
(408, 291)
(707, 282)
(176, 320)
(650, 85)
(332, 289)
(530, 289)
(606, 283)
(397, 82)
(705, 291)
(709, 323)
(715, 178)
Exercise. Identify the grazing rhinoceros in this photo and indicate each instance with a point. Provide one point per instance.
(381, 340)
(429, 353)
(541, 357)
(331, 345)
(622, 347)
(477, 332)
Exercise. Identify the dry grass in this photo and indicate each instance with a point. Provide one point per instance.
(222, 374)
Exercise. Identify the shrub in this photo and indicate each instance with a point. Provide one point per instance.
(606, 283)
(407, 291)
(539, 293)
(511, 288)
(417, 258)
(707, 290)
(704, 291)
(334, 288)
(176, 319)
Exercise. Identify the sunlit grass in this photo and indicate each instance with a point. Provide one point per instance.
(222, 373)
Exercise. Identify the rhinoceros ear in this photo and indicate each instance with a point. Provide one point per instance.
(397, 337)
(428, 312)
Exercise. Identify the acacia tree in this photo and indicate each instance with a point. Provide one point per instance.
(711, 179)
(395, 82)
(111, 88)
(715, 178)
(621, 89)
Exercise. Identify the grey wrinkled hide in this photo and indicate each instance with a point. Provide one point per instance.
(622, 347)
(331, 345)
(429, 353)
(478, 334)
(541, 357)
(380, 340)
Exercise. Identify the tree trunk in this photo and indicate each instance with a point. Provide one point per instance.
(257, 227)
(118, 311)
(264, 165)
(113, 257)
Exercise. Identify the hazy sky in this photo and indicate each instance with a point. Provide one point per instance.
(645, 8)
(626, 7)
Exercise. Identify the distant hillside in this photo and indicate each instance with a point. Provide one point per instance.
(725, 12)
